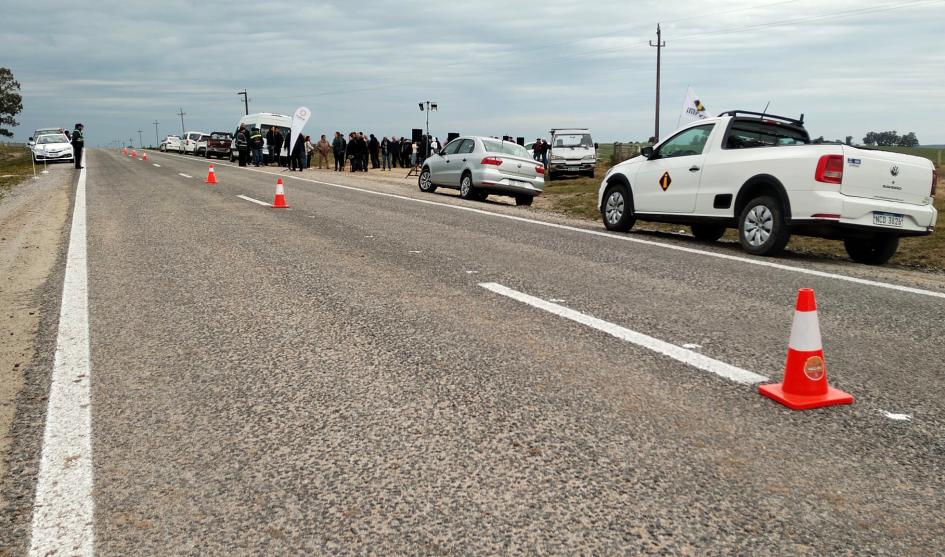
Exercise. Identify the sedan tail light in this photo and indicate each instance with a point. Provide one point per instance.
(830, 169)
(494, 161)
(540, 170)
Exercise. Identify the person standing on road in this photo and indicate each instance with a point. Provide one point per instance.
(271, 144)
(385, 153)
(78, 144)
(338, 146)
(365, 151)
(309, 151)
(322, 148)
(545, 147)
(256, 141)
(242, 144)
(406, 152)
(394, 149)
(375, 148)
(277, 145)
(297, 154)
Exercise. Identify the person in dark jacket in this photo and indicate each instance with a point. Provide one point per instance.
(242, 144)
(77, 138)
(256, 143)
(338, 146)
(394, 148)
(406, 151)
(277, 141)
(271, 144)
(375, 148)
(351, 153)
(297, 156)
(385, 153)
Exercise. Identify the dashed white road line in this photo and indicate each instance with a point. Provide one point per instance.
(624, 238)
(63, 508)
(898, 417)
(247, 198)
(156, 164)
(184, 175)
(680, 354)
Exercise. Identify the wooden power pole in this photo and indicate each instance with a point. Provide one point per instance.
(660, 45)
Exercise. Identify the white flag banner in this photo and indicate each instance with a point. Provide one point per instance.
(298, 123)
(693, 109)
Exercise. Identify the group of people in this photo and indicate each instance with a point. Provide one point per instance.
(358, 151)
(540, 151)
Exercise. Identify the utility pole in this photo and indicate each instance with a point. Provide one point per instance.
(245, 100)
(181, 113)
(157, 141)
(660, 45)
(140, 141)
(429, 105)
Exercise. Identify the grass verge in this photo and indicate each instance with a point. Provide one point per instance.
(15, 166)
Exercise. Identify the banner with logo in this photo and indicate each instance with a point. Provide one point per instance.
(298, 123)
(693, 109)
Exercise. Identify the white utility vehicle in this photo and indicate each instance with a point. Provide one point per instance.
(262, 121)
(171, 143)
(572, 152)
(762, 175)
(190, 141)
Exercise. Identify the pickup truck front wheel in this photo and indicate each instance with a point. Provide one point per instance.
(761, 227)
(617, 209)
(871, 251)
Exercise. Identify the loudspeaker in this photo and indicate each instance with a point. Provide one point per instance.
(417, 135)
(451, 136)
(520, 141)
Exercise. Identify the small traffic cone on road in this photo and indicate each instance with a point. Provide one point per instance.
(124, 151)
(279, 201)
(134, 154)
(805, 373)
(211, 176)
(144, 156)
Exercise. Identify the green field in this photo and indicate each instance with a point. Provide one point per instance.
(15, 165)
(937, 156)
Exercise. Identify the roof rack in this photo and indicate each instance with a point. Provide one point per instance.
(799, 122)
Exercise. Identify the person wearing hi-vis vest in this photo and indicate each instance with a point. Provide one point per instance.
(78, 143)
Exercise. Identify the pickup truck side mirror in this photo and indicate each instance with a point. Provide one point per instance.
(647, 152)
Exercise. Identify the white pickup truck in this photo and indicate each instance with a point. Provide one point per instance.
(762, 175)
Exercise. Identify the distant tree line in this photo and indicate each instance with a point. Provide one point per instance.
(891, 139)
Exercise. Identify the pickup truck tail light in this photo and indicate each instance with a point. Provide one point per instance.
(830, 169)
(541, 171)
(494, 161)
(934, 182)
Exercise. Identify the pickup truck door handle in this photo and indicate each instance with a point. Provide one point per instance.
(693, 168)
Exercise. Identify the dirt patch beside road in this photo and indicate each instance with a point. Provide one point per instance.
(32, 218)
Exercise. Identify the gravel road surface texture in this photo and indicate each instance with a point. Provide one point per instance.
(333, 378)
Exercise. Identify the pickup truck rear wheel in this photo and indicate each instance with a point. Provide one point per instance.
(617, 209)
(761, 227)
(872, 251)
(707, 232)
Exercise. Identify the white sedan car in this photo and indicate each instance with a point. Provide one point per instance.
(52, 147)
(172, 143)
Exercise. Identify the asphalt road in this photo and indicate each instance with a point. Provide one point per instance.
(334, 378)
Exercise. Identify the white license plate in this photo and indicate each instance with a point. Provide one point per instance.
(887, 219)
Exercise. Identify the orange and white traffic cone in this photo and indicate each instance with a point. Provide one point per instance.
(211, 176)
(134, 154)
(805, 373)
(144, 156)
(279, 201)
(124, 151)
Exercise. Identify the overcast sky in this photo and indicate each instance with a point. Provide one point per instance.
(495, 67)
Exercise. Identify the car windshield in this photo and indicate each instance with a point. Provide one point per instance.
(52, 138)
(504, 147)
(573, 140)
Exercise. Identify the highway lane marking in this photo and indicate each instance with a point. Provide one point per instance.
(898, 417)
(63, 509)
(184, 175)
(156, 164)
(624, 238)
(677, 353)
(247, 198)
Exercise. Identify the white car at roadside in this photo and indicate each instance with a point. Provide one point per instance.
(171, 143)
(51, 148)
(763, 175)
(191, 140)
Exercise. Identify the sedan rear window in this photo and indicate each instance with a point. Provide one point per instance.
(505, 148)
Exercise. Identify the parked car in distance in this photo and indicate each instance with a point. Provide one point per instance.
(52, 147)
(218, 144)
(45, 131)
(171, 143)
(482, 166)
(763, 175)
(189, 142)
(572, 152)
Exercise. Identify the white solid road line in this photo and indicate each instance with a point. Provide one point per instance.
(687, 357)
(254, 200)
(63, 508)
(184, 175)
(624, 238)
(156, 164)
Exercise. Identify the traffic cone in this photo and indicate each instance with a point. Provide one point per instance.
(134, 154)
(805, 373)
(211, 176)
(279, 201)
(144, 156)
(124, 151)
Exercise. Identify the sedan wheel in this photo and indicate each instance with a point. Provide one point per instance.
(466, 189)
(426, 182)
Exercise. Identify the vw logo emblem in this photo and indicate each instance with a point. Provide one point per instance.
(894, 170)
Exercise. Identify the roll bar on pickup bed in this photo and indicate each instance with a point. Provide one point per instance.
(799, 122)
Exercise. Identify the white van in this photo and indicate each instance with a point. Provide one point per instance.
(263, 121)
(190, 140)
(572, 152)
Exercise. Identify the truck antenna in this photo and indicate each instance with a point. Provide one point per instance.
(765, 111)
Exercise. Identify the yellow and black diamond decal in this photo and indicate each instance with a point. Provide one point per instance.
(665, 181)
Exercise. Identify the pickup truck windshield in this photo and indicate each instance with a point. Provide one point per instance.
(573, 140)
(748, 134)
